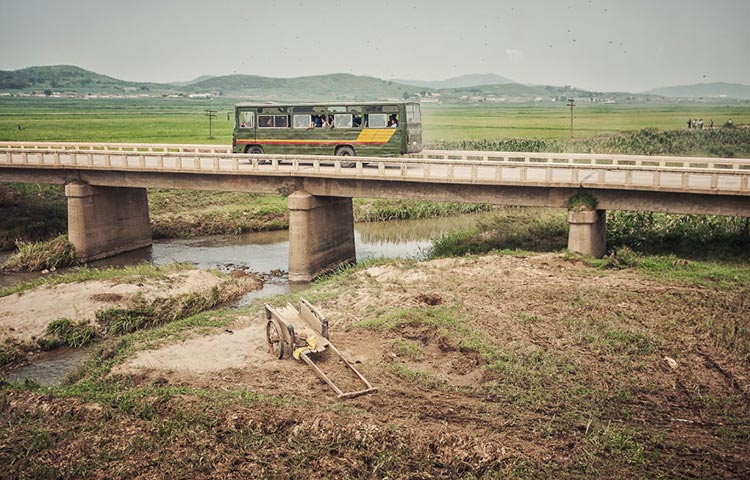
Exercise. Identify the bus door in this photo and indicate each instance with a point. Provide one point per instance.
(246, 129)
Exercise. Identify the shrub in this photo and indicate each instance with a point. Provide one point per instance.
(64, 331)
(36, 256)
(621, 258)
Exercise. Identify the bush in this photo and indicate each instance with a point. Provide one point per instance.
(36, 256)
(689, 235)
(64, 331)
(620, 258)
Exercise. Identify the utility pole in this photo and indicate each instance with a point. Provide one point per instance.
(211, 114)
(571, 104)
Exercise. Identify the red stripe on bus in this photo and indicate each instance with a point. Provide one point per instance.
(321, 142)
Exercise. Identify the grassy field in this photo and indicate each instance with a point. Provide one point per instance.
(475, 122)
(184, 121)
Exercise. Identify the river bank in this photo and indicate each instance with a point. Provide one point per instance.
(189, 213)
(515, 365)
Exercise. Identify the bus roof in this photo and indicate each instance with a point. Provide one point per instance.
(322, 104)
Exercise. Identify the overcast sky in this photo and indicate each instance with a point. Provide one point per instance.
(630, 45)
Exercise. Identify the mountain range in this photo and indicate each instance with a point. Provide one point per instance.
(705, 90)
(72, 80)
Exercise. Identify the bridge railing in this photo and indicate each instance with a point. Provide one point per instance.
(118, 147)
(586, 159)
(676, 174)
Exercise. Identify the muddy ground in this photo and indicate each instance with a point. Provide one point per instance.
(487, 367)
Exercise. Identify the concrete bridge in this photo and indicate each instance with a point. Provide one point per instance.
(108, 208)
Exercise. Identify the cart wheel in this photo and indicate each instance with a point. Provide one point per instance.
(275, 342)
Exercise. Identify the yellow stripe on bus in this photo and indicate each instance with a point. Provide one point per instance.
(376, 135)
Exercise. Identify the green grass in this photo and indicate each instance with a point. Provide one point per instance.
(183, 121)
(455, 123)
(510, 228)
(407, 348)
(69, 333)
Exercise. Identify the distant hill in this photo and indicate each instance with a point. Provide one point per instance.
(61, 78)
(195, 80)
(705, 90)
(70, 80)
(341, 86)
(462, 81)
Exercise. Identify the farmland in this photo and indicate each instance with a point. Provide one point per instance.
(184, 121)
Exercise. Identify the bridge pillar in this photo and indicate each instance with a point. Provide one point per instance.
(588, 232)
(105, 221)
(321, 234)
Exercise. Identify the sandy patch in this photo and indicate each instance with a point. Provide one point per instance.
(26, 314)
(235, 348)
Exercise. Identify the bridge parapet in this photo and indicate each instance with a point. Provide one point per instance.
(560, 170)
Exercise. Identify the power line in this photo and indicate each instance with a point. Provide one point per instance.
(211, 114)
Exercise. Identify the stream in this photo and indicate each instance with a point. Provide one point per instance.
(265, 253)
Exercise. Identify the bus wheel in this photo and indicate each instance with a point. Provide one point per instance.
(346, 151)
(257, 150)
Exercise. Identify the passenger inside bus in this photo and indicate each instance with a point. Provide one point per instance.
(356, 120)
(393, 121)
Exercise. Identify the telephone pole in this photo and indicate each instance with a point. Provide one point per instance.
(211, 114)
(571, 104)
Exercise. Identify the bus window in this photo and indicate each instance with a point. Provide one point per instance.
(342, 120)
(413, 114)
(273, 121)
(376, 120)
(302, 121)
(247, 119)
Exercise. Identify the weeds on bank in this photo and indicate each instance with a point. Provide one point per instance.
(160, 311)
(37, 256)
(384, 210)
(31, 212)
(514, 228)
(64, 331)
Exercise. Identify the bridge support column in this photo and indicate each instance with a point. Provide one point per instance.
(105, 221)
(588, 232)
(321, 235)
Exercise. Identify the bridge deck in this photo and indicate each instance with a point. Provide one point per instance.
(717, 176)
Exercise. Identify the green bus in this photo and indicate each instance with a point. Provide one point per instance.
(346, 129)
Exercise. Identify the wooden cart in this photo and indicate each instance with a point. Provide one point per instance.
(303, 334)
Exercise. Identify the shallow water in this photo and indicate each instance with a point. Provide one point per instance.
(267, 253)
(51, 368)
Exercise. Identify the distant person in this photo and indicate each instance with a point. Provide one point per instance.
(690, 123)
(700, 124)
(711, 124)
(19, 127)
